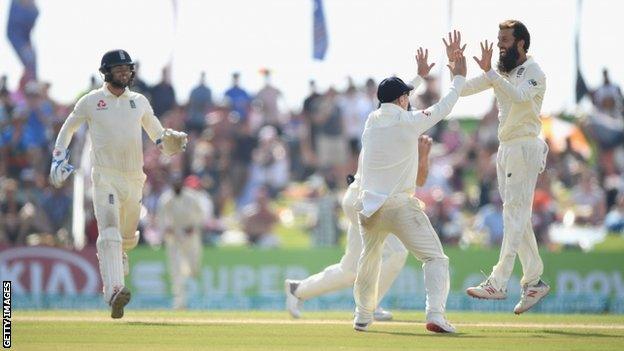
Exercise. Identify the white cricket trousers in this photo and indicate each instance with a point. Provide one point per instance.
(402, 215)
(518, 164)
(117, 205)
(342, 274)
(184, 256)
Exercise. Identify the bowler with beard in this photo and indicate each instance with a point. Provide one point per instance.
(116, 117)
(519, 85)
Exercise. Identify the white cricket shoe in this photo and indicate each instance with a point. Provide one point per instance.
(439, 324)
(487, 291)
(361, 326)
(121, 297)
(382, 315)
(126, 263)
(531, 295)
(293, 303)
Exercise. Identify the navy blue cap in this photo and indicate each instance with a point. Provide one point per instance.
(391, 88)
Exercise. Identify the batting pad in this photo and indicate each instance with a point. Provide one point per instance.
(109, 257)
(129, 243)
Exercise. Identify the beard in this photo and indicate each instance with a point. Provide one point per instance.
(121, 85)
(510, 60)
(118, 83)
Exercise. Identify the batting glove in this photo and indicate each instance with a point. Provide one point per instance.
(60, 168)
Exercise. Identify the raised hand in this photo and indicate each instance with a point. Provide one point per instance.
(486, 56)
(458, 64)
(421, 60)
(453, 44)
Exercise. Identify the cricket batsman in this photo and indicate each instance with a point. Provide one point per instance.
(342, 274)
(519, 85)
(115, 116)
(181, 215)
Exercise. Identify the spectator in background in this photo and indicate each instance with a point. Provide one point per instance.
(57, 205)
(13, 147)
(258, 221)
(244, 144)
(427, 98)
(608, 97)
(325, 231)
(309, 111)
(589, 199)
(331, 140)
(269, 97)
(370, 91)
(38, 119)
(489, 219)
(544, 209)
(199, 104)
(355, 111)
(614, 221)
(16, 215)
(446, 219)
(269, 168)
(139, 85)
(163, 94)
(238, 99)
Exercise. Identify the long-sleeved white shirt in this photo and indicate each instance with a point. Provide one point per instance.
(416, 82)
(389, 161)
(519, 96)
(115, 125)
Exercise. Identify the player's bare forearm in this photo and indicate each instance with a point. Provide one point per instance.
(423, 173)
(424, 148)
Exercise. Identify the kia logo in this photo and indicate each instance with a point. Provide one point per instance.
(48, 270)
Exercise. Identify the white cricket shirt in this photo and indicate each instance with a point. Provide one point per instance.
(115, 125)
(519, 96)
(182, 211)
(389, 157)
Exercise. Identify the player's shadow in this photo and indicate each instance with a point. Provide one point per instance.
(157, 324)
(435, 335)
(582, 335)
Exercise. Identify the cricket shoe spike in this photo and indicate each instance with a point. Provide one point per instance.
(382, 315)
(121, 297)
(531, 295)
(293, 303)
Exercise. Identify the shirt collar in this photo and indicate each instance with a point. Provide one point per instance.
(389, 107)
(108, 93)
(528, 61)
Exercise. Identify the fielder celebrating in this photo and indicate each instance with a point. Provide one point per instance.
(115, 116)
(385, 203)
(342, 274)
(519, 86)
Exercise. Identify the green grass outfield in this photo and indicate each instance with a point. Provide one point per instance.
(207, 330)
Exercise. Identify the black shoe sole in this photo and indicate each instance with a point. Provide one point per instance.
(119, 301)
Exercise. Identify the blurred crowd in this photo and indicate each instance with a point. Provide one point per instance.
(268, 173)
